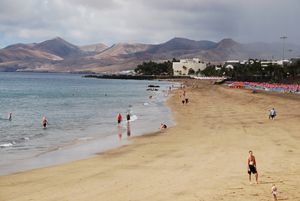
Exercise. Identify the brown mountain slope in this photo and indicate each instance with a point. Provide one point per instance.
(122, 49)
(25, 54)
(59, 47)
(61, 56)
(97, 48)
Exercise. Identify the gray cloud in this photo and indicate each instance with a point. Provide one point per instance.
(96, 4)
(93, 21)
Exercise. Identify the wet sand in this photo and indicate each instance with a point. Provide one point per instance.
(202, 158)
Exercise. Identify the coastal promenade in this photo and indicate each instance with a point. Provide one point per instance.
(202, 158)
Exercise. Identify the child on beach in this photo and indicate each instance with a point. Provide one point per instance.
(251, 166)
(274, 192)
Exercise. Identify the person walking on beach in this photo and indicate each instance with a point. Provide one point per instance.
(274, 192)
(44, 122)
(119, 118)
(251, 166)
(272, 114)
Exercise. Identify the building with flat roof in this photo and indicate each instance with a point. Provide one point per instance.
(188, 66)
(231, 64)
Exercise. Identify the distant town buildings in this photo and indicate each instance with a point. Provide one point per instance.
(295, 60)
(195, 66)
(231, 64)
(188, 66)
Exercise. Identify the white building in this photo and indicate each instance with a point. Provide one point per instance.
(230, 64)
(184, 66)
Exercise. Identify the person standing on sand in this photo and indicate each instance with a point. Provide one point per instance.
(119, 118)
(274, 192)
(272, 114)
(251, 166)
(44, 122)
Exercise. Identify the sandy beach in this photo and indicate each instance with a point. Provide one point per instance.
(202, 158)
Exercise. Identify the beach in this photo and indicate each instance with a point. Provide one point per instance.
(202, 158)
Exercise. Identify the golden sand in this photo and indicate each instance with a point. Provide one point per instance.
(202, 158)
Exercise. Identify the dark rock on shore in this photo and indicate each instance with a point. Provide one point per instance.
(137, 77)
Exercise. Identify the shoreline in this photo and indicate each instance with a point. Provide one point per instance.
(201, 158)
(81, 148)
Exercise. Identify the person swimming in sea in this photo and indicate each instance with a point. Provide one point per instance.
(44, 122)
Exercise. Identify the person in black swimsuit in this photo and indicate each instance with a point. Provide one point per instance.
(251, 166)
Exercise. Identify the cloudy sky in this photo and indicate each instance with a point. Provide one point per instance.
(148, 21)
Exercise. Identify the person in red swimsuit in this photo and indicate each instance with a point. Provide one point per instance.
(119, 118)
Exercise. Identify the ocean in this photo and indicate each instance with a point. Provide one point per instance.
(81, 113)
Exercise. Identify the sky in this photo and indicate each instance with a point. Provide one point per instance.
(83, 22)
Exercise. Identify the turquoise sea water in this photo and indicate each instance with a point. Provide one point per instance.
(80, 112)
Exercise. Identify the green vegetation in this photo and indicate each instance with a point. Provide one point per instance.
(191, 72)
(153, 68)
(253, 70)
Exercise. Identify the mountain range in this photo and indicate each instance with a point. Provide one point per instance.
(58, 55)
